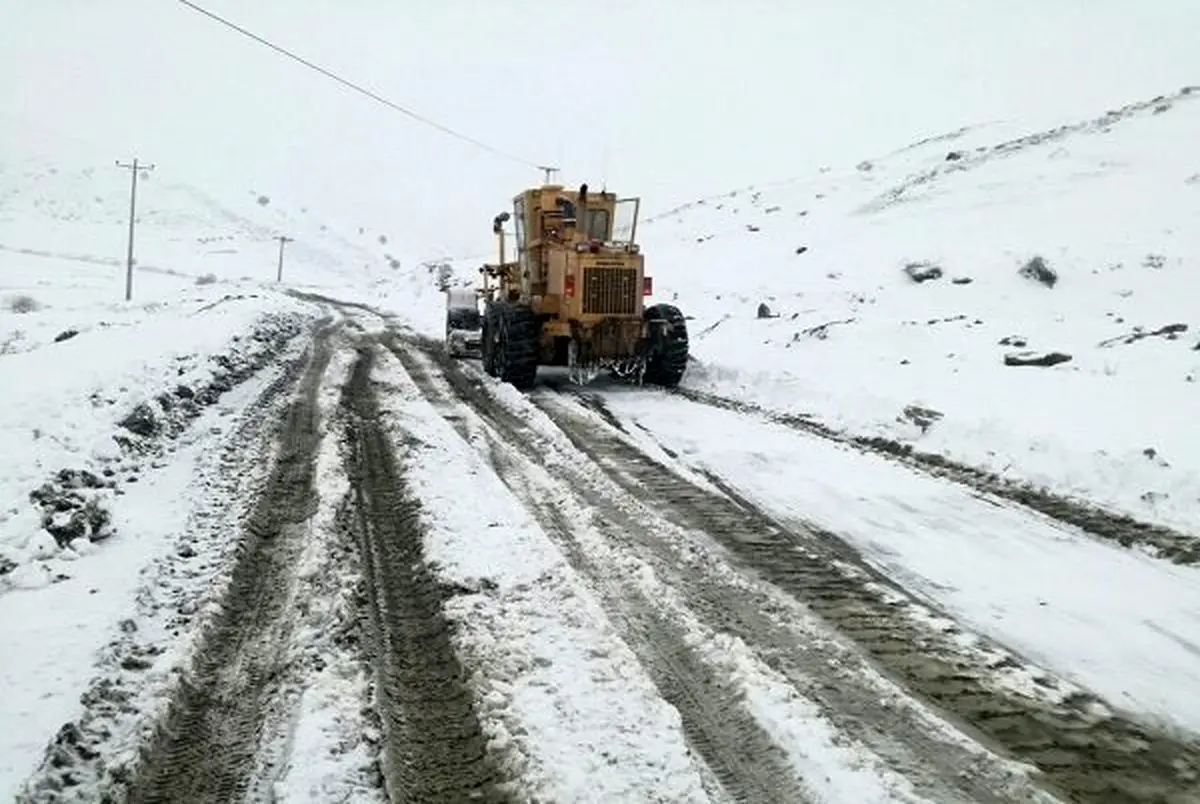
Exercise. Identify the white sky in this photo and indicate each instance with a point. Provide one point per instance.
(663, 98)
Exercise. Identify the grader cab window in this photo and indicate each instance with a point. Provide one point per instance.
(597, 224)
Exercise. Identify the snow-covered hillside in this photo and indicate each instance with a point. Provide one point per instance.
(56, 212)
(1109, 205)
(83, 375)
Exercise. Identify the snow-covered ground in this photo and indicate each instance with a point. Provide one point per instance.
(113, 416)
(556, 683)
(76, 360)
(1014, 576)
(1109, 204)
(135, 436)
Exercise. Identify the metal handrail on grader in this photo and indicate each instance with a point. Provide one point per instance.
(575, 294)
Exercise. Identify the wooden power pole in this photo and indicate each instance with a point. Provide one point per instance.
(283, 240)
(133, 169)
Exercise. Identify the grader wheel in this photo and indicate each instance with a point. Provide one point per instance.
(510, 344)
(669, 349)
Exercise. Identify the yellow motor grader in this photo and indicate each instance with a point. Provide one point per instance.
(575, 294)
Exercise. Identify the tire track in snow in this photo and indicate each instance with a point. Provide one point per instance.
(434, 750)
(325, 705)
(1158, 540)
(94, 752)
(745, 760)
(743, 757)
(204, 751)
(1082, 748)
(942, 764)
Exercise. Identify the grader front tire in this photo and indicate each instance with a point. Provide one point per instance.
(516, 344)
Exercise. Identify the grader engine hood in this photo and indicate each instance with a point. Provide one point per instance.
(602, 285)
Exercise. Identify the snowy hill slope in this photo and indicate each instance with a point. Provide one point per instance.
(80, 368)
(1110, 205)
(80, 212)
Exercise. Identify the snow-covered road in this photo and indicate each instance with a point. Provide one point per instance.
(441, 588)
(921, 523)
(1114, 620)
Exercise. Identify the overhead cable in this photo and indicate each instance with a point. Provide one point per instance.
(358, 88)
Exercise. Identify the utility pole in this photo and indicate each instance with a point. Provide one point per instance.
(549, 171)
(133, 169)
(283, 239)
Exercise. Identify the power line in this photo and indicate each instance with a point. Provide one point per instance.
(357, 88)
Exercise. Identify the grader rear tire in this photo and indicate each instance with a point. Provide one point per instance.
(669, 353)
(487, 346)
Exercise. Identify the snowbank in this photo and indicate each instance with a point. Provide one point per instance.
(95, 652)
(102, 405)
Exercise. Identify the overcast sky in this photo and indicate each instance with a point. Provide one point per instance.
(663, 98)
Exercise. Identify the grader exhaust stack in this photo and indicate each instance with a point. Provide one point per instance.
(575, 293)
(498, 228)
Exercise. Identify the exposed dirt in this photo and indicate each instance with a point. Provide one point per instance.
(1166, 543)
(434, 750)
(152, 423)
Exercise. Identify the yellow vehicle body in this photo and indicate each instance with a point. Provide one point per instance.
(575, 293)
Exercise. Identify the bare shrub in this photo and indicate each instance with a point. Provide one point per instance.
(1037, 270)
(22, 304)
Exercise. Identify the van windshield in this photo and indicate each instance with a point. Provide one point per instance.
(464, 318)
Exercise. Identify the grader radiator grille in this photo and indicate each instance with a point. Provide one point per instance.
(610, 291)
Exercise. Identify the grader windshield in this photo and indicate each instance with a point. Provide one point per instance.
(625, 226)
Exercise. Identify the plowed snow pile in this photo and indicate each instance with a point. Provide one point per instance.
(1018, 299)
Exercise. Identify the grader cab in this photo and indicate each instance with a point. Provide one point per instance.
(574, 294)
